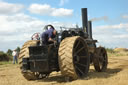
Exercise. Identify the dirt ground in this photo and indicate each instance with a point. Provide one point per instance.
(116, 74)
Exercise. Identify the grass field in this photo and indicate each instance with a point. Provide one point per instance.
(5, 62)
(116, 74)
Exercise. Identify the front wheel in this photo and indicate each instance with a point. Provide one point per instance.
(100, 59)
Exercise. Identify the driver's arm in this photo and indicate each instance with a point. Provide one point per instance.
(50, 35)
(50, 39)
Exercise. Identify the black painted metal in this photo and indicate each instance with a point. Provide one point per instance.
(90, 29)
(84, 19)
(25, 64)
(42, 59)
(38, 59)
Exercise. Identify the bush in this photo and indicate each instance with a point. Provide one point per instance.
(110, 50)
(9, 53)
(3, 56)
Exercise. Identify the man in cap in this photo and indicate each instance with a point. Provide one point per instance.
(48, 35)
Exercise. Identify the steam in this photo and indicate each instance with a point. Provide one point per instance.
(105, 18)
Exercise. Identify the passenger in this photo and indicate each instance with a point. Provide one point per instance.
(48, 35)
(36, 36)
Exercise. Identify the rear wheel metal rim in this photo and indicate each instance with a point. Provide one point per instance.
(79, 59)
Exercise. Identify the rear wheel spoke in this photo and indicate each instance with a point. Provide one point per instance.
(83, 56)
(77, 45)
(77, 58)
(81, 64)
(80, 50)
(80, 70)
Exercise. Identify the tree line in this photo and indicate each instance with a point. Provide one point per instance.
(7, 56)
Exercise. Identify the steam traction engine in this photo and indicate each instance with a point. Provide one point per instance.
(72, 55)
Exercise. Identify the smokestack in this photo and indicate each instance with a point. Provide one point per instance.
(84, 19)
(90, 29)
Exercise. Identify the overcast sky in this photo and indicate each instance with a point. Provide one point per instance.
(19, 19)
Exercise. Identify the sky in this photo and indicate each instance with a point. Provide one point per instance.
(19, 19)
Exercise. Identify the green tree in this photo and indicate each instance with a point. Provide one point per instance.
(110, 50)
(18, 49)
(3, 56)
(9, 52)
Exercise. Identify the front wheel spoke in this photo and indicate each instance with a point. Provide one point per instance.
(79, 70)
(101, 61)
(104, 61)
(101, 54)
(101, 66)
(81, 64)
(100, 57)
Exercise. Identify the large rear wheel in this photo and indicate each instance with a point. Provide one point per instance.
(24, 53)
(73, 57)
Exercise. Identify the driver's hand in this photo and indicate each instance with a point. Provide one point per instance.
(55, 42)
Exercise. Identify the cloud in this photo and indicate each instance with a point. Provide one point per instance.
(18, 28)
(105, 18)
(121, 36)
(62, 2)
(22, 24)
(19, 23)
(117, 26)
(40, 9)
(62, 12)
(9, 8)
(112, 35)
(125, 16)
(45, 9)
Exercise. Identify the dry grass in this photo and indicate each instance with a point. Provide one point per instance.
(117, 74)
(120, 49)
(118, 52)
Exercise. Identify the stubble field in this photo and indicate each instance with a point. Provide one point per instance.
(116, 74)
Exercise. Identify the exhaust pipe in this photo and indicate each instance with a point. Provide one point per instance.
(90, 29)
(87, 25)
(84, 19)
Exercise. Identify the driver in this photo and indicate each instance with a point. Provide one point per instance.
(48, 35)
